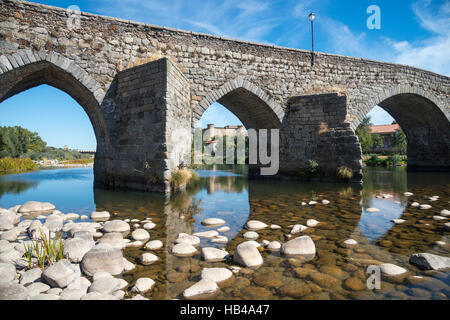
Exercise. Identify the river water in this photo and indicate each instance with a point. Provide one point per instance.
(337, 271)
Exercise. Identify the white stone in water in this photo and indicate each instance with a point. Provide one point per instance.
(154, 245)
(117, 226)
(398, 221)
(447, 226)
(148, 258)
(274, 246)
(76, 248)
(207, 234)
(5, 224)
(255, 225)
(34, 206)
(84, 217)
(247, 254)
(216, 274)
(149, 225)
(312, 203)
(213, 222)
(439, 218)
(140, 235)
(274, 227)
(71, 216)
(220, 239)
(10, 235)
(100, 215)
(373, 210)
(103, 257)
(408, 194)
(143, 285)
(298, 228)
(114, 239)
(250, 235)
(425, 206)
(299, 246)
(429, 261)
(183, 249)
(134, 244)
(127, 265)
(350, 242)
(7, 272)
(265, 242)
(211, 254)
(30, 276)
(223, 229)
(325, 201)
(105, 285)
(136, 225)
(187, 239)
(134, 220)
(445, 213)
(61, 274)
(204, 286)
(312, 223)
(126, 220)
(415, 204)
(390, 269)
(303, 203)
(440, 243)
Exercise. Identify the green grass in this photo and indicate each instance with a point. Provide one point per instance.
(46, 250)
(182, 177)
(383, 161)
(344, 173)
(80, 161)
(17, 165)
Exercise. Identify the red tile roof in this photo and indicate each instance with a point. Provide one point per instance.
(388, 128)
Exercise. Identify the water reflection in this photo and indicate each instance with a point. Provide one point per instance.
(228, 194)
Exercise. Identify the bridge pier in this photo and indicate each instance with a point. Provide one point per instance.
(315, 129)
(151, 104)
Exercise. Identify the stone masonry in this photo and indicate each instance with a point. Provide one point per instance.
(138, 82)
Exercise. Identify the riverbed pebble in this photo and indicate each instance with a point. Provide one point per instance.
(187, 239)
(373, 210)
(213, 222)
(143, 285)
(390, 269)
(204, 286)
(312, 223)
(429, 261)
(117, 226)
(149, 225)
(100, 215)
(211, 254)
(114, 239)
(35, 206)
(206, 234)
(216, 274)
(250, 235)
(223, 229)
(140, 235)
(350, 242)
(255, 225)
(247, 254)
(154, 245)
(425, 206)
(103, 257)
(303, 245)
(183, 250)
(298, 228)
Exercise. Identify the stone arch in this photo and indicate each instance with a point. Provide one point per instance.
(255, 108)
(362, 109)
(27, 68)
(424, 121)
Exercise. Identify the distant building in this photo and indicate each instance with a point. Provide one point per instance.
(387, 133)
(211, 131)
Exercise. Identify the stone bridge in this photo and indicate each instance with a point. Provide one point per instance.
(139, 82)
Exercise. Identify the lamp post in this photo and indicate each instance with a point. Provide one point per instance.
(311, 17)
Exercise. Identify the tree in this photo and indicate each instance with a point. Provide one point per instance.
(367, 140)
(399, 142)
(16, 141)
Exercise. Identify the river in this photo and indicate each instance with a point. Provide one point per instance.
(338, 271)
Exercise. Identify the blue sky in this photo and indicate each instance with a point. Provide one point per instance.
(415, 32)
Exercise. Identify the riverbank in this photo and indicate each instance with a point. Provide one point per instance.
(23, 165)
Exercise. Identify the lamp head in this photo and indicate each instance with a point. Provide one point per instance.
(312, 16)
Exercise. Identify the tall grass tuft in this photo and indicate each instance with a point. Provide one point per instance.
(46, 250)
(17, 165)
(182, 177)
(344, 173)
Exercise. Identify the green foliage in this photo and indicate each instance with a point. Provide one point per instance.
(344, 173)
(399, 142)
(16, 141)
(46, 250)
(367, 140)
(393, 160)
(56, 153)
(14, 165)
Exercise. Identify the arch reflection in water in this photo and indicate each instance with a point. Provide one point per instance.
(231, 196)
